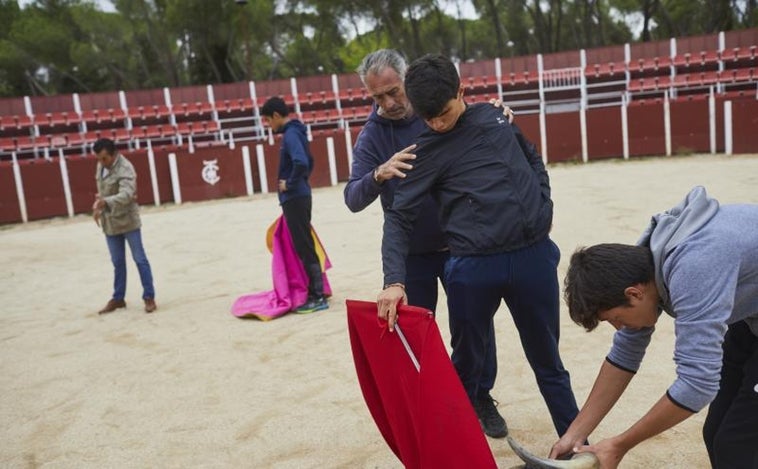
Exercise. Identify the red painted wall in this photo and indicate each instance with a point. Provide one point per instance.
(229, 174)
(43, 188)
(646, 128)
(604, 134)
(9, 209)
(81, 178)
(565, 142)
(690, 125)
(744, 125)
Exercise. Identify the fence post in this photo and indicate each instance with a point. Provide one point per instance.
(153, 177)
(332, 161)
(728, 137)
(248, 171)
(66, 183)
(262, 168)
(19, 189)
(174, 169)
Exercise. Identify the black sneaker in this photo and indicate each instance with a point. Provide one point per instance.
(313, 305)
(490, 419)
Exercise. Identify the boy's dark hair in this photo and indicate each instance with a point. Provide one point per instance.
(430, 83)
(274, 105)
(104, 144)
(598, 275)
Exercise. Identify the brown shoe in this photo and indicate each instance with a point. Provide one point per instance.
(112, 305)
(150, 305)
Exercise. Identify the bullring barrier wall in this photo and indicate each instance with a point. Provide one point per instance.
(65, 186)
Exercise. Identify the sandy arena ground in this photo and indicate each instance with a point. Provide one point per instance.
(191, 386)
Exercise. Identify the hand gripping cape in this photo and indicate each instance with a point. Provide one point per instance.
(413, 391)
(288, 274)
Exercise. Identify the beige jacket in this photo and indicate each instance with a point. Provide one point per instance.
(118, 187)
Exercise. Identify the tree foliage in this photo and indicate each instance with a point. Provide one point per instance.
(63, 46)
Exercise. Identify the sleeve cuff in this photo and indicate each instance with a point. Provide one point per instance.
(620, 367)
(679, 404)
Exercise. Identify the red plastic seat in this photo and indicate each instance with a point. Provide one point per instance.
(92, 136)
(92, 115)
(116, 114)
(682, 60)
(25, 143)
(160, 110)
(137, 112)
(121, 135)
(212, 126)
(7, 122)
(74, 138)
(184, 128)
(57, 118)
(152, 131)
(8, 144)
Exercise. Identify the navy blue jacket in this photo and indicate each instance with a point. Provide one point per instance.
(295, 161)
(378, 141)
(490, 183)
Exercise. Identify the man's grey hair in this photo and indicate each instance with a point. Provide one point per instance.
(377, 61)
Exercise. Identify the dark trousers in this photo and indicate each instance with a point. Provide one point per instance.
(297, 214)
(421, 274)
(527, 280)
(731, 427)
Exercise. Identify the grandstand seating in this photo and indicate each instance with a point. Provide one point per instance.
(210, 114)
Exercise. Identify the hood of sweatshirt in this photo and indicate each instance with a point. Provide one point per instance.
(668, 229)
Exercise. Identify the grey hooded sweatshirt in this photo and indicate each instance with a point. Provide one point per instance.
(706, 272)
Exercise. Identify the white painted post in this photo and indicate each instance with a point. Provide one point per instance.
(248, 171)
(261, 168)
(543, 132)
(667, 122)
(543, 125)
(499, 77)
(728, 137)
(332, 160)
(583, 130)
(712, 120)
(349, 147)
(212, 100)
(583, 106)
(174, 169)
(153, 177)
(66, 183)
(336, 91)
(624, 127)
(293, 87)
(19, 189)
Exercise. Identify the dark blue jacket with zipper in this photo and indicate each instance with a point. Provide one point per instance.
(490, 184)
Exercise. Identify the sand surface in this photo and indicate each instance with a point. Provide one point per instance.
(193, 386)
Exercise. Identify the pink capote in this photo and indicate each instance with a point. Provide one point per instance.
(289, 277)
(424, 416)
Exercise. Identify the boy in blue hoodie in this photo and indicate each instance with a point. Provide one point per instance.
(496, 212)
(295, 166)
(698, 262)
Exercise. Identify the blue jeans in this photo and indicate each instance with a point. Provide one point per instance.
(527, 279)
(117, 248)
(421, 274)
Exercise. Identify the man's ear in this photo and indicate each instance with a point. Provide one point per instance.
(634, 293)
